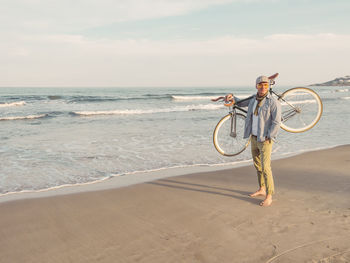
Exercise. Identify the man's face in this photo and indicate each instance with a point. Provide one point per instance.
(262, 88)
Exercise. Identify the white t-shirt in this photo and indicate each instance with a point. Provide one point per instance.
(255, 120)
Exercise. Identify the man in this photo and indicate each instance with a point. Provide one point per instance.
(262, 124)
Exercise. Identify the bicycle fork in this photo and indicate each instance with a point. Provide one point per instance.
(233, 132)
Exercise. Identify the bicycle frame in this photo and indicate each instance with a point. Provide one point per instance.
(232, 111)
(289, 114)
(234, 107)
(227, 136)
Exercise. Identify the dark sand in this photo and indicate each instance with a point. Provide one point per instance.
(204, 217)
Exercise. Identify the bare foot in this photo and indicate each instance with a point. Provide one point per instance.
(261, 191)
(267, 201)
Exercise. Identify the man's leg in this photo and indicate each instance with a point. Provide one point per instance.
(265, 155)
(256, 155)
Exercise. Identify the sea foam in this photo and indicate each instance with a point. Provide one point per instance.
(12, 104)
(191, 97)
(23, 117)
(151, 111)
(341, 90)
(299, 102)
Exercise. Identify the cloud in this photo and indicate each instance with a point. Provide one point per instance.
(79, 61)
(67, 15)
(228, 45)
(40, 45)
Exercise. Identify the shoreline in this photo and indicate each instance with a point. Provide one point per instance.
(198, 217)
(138, 177)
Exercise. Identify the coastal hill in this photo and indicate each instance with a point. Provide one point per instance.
(342, 81)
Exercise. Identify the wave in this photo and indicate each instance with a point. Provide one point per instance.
(112, 99)
(96, 99)
(150, 111)
(193, 97)
(29, 117)
(54, 97)
(341, 90)
(345, 98)
(149, 96)
(331, 91)
(298, 102)
(199, 96)
(69, 99)
(12, 104)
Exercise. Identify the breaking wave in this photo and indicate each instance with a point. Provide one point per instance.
(189, 97)
(150, 111)
(341, 90)
(12, 104)
(29, 117)
(299, 102)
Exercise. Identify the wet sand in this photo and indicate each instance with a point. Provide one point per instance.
(202, 217)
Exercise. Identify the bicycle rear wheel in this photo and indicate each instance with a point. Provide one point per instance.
(227, 140)
(301, 109)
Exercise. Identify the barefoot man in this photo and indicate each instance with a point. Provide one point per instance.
(262, 124)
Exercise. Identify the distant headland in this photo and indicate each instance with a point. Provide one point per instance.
(342, 81)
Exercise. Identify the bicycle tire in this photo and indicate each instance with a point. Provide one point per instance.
(224, 143)
(305, 113)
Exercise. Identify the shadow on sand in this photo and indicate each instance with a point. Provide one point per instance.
(240, 195)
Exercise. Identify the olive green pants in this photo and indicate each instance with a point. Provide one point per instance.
(261, 153)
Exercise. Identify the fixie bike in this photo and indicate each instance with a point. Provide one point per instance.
(301, 110)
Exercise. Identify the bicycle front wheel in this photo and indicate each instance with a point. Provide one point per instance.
(228, 135)
(301, 109)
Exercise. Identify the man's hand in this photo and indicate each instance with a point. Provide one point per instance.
(229, 100)
(267, 139)
(229, 97)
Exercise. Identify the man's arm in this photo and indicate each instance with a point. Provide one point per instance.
(244, 102)
(276, 120)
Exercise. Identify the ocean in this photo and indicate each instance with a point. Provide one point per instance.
(51, 137)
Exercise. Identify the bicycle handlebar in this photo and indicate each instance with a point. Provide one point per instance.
(229, 99)
(218, 98)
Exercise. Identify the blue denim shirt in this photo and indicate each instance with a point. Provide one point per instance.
(269, 117)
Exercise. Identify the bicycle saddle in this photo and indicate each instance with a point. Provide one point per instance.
(273, 76)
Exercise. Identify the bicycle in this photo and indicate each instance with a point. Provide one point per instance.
(301, 110)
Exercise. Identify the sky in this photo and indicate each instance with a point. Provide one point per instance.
(172, 43)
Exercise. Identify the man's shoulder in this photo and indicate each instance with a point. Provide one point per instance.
(273, 99)
(252, 99)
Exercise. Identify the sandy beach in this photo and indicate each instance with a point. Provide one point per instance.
(201, 217)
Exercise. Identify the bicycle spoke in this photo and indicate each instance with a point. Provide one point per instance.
(301, 120)
(224, 141)
(304, 103)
